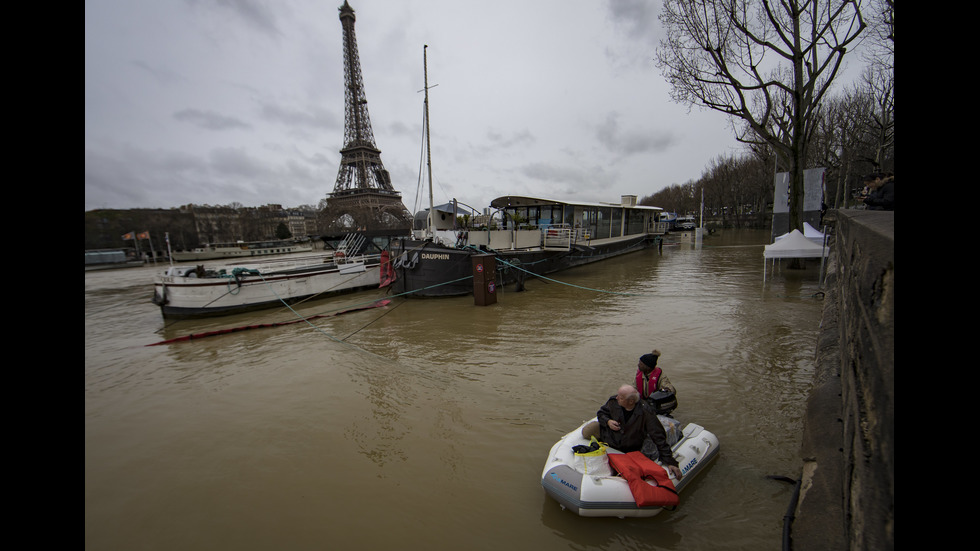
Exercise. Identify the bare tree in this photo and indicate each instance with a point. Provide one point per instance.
(881, 50)
(881, 124)
(767, 63)
(836, 143)
(715, 196)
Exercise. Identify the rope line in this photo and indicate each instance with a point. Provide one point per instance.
(287, 305)
(572, 284)
(390, 310)
(356, 306)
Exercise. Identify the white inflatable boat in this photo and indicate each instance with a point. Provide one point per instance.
(610, 496)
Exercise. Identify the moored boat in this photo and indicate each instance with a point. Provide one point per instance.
(539, 236)
(196, 292)
(241, 249)
(609, 495)
(104, 259)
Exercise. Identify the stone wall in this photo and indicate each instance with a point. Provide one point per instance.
(847, 493)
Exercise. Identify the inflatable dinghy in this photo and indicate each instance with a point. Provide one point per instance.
(609, 495)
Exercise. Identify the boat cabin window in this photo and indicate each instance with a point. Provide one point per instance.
(590, 218)
(524, 216)
(616, 224)
(634, 221)
(609, 222)
(553, 213)
(544, 215)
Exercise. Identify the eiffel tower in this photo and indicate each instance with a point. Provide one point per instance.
(363, 197)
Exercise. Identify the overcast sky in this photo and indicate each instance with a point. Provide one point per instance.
(242, 101)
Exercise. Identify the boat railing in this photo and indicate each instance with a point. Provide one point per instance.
(350, 246)
(321, 262)
(558, 236)
(492, 239)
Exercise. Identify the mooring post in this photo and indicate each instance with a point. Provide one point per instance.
(484, 279)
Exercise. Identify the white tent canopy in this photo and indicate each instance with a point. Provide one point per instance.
(793, 245)
(811, 233)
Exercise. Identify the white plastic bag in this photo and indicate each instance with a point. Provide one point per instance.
(673, 429)
(593, 463)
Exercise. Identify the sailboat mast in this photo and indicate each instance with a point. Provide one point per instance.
(428, 148)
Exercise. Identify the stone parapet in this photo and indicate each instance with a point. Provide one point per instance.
(847, 494)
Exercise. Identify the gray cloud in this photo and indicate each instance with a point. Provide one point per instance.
(631, 142)
(256, 14)
(210, 120)
(310, 117)
(161, 75)
(558, 174)
(638, 17)
(522, 137)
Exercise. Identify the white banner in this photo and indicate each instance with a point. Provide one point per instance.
(812, 190)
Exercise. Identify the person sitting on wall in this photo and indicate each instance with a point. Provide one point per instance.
(881, 191)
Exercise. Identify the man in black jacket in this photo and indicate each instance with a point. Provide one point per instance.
(881, 187)
(625, 422)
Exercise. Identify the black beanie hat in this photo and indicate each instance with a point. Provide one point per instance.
(650, 360)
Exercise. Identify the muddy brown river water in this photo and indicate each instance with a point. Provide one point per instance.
(425, 424)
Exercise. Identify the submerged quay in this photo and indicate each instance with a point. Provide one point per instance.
(847, 484)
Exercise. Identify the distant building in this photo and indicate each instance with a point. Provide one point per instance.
(301, 223)
(190, 226)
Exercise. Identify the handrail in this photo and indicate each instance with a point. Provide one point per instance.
(557, 235)
(352, 243)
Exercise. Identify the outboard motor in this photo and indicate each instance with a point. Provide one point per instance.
(664, 401)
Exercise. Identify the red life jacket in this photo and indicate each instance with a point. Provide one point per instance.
(652, 382)
(637, 468)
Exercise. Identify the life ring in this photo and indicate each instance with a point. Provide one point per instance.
(338, 256)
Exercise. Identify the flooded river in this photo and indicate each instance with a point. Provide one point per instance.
(425, 424)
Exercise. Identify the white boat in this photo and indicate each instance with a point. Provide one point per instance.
(610, 496)
(196, 291)
(239, 249)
